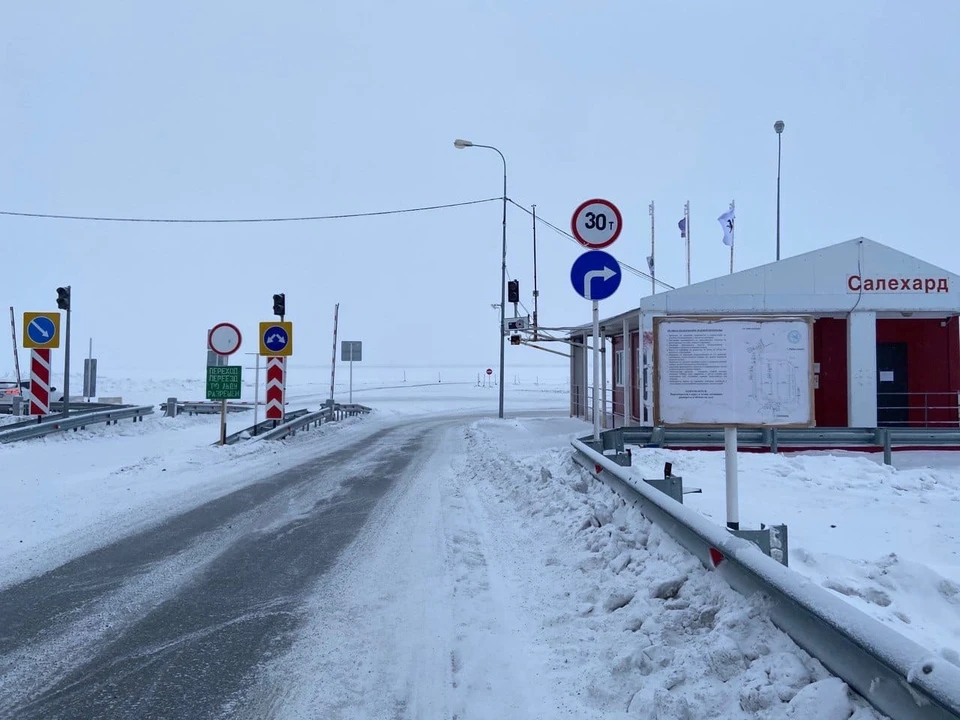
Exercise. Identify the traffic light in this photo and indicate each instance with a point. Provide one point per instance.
(280, 304)
(63, 298)
(513, 291)
(514, 339)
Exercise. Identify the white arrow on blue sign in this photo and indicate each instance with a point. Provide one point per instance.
(41, 329)
(596, 275)
(275, 338)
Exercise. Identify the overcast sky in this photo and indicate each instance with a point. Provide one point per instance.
(238, 109)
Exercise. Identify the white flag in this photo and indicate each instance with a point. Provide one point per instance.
(726, 222)
(650, 262)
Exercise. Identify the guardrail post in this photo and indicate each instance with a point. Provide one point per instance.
(171, 408)
(887, 448)
(774, 441)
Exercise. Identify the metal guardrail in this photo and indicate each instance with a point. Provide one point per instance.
(773, 439)
(208, 408)
(327, 414)
(896, 675)
(261, 427)
(55, 423)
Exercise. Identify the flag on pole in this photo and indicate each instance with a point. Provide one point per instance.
(726, 222)
(683, 228)
(650, 263)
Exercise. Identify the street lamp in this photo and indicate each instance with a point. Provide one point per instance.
(778, 128)
(460, 145)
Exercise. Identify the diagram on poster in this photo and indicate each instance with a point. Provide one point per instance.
(733, 371)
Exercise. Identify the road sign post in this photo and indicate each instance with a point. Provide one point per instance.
(39, 382)
(351, 350)
(223, 381)
(274, 391)
(596, 275)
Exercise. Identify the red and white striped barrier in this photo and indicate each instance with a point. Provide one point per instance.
(276, 380)
(40, 382)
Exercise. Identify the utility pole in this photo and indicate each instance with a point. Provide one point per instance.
(63, 302)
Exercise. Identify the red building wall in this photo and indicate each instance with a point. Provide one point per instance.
(830, 351)
(933, 375)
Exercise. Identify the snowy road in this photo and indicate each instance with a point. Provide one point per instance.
(169, 622)
(451, 568)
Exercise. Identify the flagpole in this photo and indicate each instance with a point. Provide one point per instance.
(686, 215)
(653, 255)
(733, 240)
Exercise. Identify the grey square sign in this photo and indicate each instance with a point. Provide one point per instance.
(351, 350)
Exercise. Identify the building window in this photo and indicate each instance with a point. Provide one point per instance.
(618, 369)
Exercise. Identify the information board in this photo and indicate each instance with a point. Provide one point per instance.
(733, 371)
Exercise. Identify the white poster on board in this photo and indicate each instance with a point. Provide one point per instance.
(733, 371)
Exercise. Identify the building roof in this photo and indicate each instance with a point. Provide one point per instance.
(855, 275)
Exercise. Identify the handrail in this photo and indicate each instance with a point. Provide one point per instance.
(34, 429)
(896, 675)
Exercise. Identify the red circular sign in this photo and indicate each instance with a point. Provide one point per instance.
(596, 223)
(224, 339)
(489, 371)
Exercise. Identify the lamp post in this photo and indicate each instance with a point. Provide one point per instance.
(460, 145)
(778, 128)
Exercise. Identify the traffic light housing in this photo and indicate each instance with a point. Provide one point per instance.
(513, 291)
(514, 339)
(280, 304)
(63, 298)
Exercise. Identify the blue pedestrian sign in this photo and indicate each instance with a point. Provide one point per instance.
(596, 275)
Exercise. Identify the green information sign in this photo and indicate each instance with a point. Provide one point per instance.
(223, 382)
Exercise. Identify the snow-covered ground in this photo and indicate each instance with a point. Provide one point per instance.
(886, 539)
(523, 554)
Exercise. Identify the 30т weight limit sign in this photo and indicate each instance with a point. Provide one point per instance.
(596, 223)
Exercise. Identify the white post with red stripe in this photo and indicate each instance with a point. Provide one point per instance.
(276, 382)
(333, 359)
(40, 382)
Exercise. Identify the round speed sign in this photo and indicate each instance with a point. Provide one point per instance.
(596, 223)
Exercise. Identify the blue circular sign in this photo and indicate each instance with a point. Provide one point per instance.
(275, 338)
(794, 336)
(41, 330)
(596, 275)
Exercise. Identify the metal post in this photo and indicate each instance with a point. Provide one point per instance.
(627, 376)
(66, 360)
(603, 379)
(256, 395)
(596, 370)
(686, 214)
(503, 282)
(778, 128)
(733, 236)
(653, 255)
(223, 422)
(16, 355)
(536, 292)
(351, 375)
(733, 505)
(333, 361)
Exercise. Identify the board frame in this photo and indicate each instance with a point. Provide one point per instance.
(660, 319)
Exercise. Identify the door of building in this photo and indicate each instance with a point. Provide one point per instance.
(893, 400)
